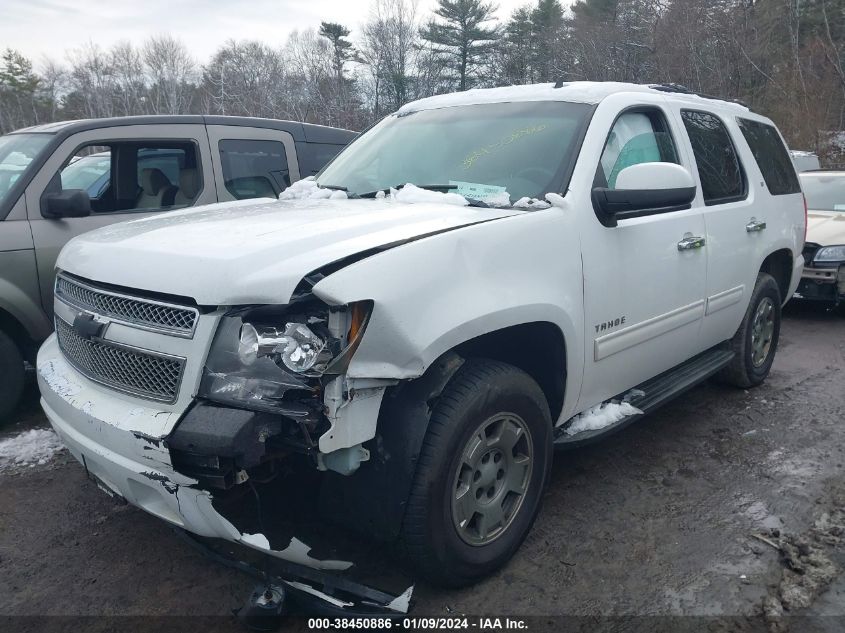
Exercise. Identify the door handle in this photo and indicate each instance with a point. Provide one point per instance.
(754, 225)
(690, 243)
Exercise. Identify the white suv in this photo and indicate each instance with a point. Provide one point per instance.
(567, 258)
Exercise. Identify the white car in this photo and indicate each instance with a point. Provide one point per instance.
(824, 273)
(479, 279)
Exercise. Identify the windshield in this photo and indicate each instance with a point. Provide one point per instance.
(17, 151)
(824, 192)
(479, 151)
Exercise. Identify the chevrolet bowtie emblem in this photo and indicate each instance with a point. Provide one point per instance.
(87, 326)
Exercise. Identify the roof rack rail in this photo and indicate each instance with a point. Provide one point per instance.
(680, 89)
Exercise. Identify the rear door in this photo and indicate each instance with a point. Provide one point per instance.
(252, 162)
(128, 172)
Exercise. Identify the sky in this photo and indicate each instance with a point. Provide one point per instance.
(49, 28)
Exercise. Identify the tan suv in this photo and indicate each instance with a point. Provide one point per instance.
(62, 179)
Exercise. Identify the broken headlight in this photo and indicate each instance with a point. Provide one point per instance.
(259, 355)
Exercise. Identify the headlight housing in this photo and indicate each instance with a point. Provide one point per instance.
(260, 354)
(830, 254)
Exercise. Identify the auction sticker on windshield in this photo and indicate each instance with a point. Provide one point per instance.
(475, 190)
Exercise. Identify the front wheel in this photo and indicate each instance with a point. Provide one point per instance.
(480, 476)
(756, 340)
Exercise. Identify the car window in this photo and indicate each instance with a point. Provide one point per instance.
(254, 169)
(89, 170)
(772, 157)
(824, 192)
(719, 169)
(635, 138)
(126, 176)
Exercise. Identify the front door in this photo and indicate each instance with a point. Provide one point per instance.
(644, 279)
(126, 174)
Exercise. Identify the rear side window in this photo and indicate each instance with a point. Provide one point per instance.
(254, 169)
(719, 169)
(771, 156)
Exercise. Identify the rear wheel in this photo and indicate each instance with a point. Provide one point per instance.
(481, 473)
(755, 342)
(12, 373)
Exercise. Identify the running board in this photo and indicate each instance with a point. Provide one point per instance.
(651, 394)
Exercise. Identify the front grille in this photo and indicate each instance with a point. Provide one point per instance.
(139, 372)
(143, 313)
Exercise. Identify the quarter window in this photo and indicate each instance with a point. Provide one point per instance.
(719, 169)
(772, 157)
(254, 169)
(636, 137)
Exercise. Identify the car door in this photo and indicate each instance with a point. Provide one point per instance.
(134, 187)
(644, 279)
(735, 217)
(252, 162)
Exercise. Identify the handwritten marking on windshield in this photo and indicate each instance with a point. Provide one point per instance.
(514, 136)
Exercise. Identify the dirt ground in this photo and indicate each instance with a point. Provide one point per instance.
(657, 521)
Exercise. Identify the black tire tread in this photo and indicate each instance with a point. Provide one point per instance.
(471, 377)
(12, 372)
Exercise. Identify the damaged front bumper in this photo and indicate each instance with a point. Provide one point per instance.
(822, 284)
(123, 447)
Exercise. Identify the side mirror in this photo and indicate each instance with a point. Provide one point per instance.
(71, 203)
(644, 189)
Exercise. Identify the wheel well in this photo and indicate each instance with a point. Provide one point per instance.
(779, 266)
(12, 327)
(538, 349)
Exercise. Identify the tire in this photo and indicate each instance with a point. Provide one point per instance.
(480, 393)
(750, 366)
(12, 371)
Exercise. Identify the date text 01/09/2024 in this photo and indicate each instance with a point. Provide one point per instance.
(422, 623)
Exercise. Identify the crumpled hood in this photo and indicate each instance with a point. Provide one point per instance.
(826, 228)
(252, 251)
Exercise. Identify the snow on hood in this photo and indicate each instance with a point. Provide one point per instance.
(826, 228)
(254, 251)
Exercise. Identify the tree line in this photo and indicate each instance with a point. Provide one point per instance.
(782, 57)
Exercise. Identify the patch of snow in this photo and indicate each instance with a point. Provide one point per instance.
(307, 189)
(501, 199)
(411, 194)
(29, 448)
(380, 195)
(87, 407)
(556, 200)
(58, 381)
(600, 417)
(531, 203)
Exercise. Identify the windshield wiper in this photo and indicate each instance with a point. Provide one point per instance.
(444, 188)
(333, 187)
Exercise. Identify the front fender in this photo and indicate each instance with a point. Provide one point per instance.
(465, 283)
(19, 293)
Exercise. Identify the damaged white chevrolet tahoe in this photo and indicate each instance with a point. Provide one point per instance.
(477, 280)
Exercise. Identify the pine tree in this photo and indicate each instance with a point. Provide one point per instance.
(461, 36)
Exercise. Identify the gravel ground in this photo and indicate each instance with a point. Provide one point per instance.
(655, 522)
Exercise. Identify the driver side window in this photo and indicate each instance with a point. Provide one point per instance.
(636, 137)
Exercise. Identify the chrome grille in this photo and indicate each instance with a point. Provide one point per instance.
(143, 313)
(139, 372)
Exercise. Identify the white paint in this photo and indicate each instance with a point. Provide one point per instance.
(57, 380)
(296, 552)
(401, 602)
(655, 176)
